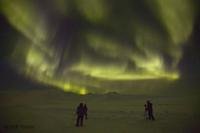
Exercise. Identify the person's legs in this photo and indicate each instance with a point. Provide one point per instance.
(77, 121)
(152, 117)
(81, 121)
(146, 115)
(149, 115)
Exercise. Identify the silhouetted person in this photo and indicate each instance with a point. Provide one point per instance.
(80, 115)
(145, 111)
(85, 111)
(150, 110)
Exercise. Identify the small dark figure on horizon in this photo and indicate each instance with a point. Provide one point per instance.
(145, 111)
(150, 110)
(85, 111)
(80, 115)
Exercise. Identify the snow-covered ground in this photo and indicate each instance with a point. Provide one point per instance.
(43, 111)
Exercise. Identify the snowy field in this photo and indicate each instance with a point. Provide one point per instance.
(52, 111)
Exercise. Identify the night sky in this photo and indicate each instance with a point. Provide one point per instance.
(83, 45)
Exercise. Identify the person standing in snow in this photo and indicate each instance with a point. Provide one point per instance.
(80, 115)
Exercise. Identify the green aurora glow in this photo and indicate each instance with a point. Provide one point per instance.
(115, 42)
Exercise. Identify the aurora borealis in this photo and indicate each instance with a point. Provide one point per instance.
(77, 45)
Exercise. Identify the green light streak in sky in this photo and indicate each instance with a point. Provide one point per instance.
(41, 58)
(151, 43)
(153, 64)
(25, 18)
(177, 16)
(94, 10)
(107, 46)
(35, 59)
(151, 67)
(151, 70)
(44, 78)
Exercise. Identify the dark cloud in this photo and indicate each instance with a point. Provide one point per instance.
(190, 63)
